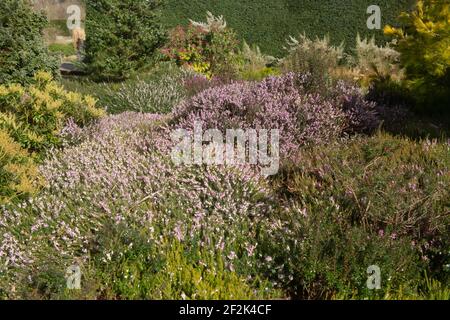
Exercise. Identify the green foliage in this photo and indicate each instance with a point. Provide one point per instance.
(34, 114)
(126, 264)
(122, 36)
(63, 49)
(259, 74)
(424, 44)
(429, 289)
(145, 271)
(22, 49)
(376, 201)
(18, 173)
(268, 23)
(208, 48)
(60, 27)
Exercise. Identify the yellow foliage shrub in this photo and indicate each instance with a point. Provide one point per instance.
(18, 174)
(34, 115)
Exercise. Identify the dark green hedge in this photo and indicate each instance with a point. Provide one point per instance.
(269, 22)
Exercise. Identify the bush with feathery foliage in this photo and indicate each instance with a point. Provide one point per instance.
(317, 57)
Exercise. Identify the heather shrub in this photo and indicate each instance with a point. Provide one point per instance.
(136, 268)
(122, 37)
(22, 48)
(196, 83)
(118, 172)
(34, 114)
(282, 103)
(145, 96)
(317, 57)
(209, 48)
(125, 264)
(18, 173)
(362, 114)
(371, 201)
(246, 105)
(156, 90)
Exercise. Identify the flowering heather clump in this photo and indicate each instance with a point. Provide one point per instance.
(379, 198)
(270, 104)
(196, 83)
(154, 96)
(112, 125)
(361, 114)
(115, 174)
(278, 103)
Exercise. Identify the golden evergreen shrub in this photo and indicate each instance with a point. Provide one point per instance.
(18, 173)
(34, 115)
(424, 45)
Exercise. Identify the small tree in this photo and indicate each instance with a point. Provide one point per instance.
(424, 44)
(22, 48)
(122, 36)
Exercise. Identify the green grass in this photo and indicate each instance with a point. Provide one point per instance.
(429, 289)
(61, 27)
(268, 23)
(64, 49)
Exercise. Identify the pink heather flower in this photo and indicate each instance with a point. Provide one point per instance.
(251, 250)
(279, 103)
(304, 213)
(232, 255)
(111, 173)
(179, 233)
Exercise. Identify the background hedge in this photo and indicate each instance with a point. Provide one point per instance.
(269, 22)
